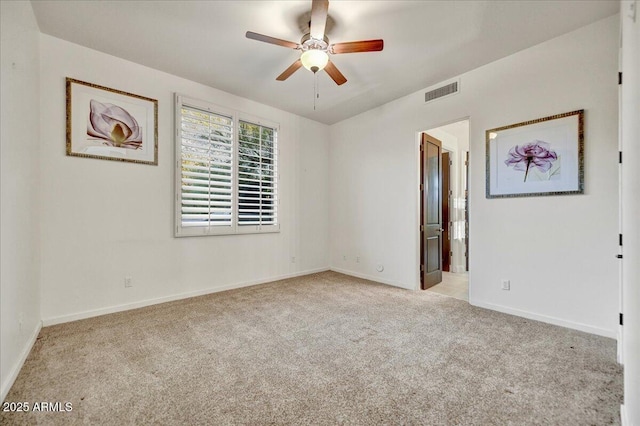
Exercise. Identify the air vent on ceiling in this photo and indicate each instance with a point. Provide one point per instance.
(447, 90)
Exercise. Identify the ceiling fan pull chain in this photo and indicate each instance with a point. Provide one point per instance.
(315, 89)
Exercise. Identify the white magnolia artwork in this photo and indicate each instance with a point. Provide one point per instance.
(111, 124)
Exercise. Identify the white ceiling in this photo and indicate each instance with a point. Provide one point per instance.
(425, 42)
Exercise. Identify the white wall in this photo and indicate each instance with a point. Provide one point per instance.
(104, 220)
(630, 119)
(20, 168)
(559, 252)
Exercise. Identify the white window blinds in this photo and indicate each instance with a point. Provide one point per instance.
(226, 173)
(257, 184)
(207, 165)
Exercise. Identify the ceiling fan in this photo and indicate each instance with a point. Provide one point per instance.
(315, 46)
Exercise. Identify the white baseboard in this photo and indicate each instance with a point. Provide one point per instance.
(372, 278)
(623, 416)
(548, 319)
(507, 310)
(141, 304)
(15, 370)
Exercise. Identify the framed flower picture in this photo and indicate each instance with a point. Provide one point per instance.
(111, 124)
(536, 158)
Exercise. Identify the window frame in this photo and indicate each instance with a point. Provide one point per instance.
(236, 116)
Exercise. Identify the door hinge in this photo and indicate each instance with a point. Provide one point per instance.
(421, 228)
(421, 187)
(620, 239)
(451, 162)
(620, 77)
(621, 319)
(421, 268)
(619, 256)
(620, 157)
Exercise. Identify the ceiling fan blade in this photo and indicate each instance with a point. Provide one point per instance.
(335, 74)
(357, 46)
(319, 11)
(272, 40)
(292, 68)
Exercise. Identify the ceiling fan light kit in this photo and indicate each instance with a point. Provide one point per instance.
(314, 60)
(315, 46)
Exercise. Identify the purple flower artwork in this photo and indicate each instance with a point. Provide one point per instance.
(536, 154)
(114, 125)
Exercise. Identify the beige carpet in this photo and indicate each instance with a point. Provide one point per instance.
(322, 349)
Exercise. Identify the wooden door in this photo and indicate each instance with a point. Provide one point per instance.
(431, 211)
(446, 221)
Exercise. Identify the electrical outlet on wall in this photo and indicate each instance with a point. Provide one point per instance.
(506, 285)
(128, 282)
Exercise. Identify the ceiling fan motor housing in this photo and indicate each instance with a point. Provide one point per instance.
(308, 43)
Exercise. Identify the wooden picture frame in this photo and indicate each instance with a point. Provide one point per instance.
(540, 157)
(110, 124)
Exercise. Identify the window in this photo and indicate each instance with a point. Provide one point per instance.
(256, 175)
(226, 171)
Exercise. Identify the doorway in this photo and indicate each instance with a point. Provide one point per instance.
(444, 209)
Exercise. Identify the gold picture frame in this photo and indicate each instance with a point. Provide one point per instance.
(110, 124)
(539, 157)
